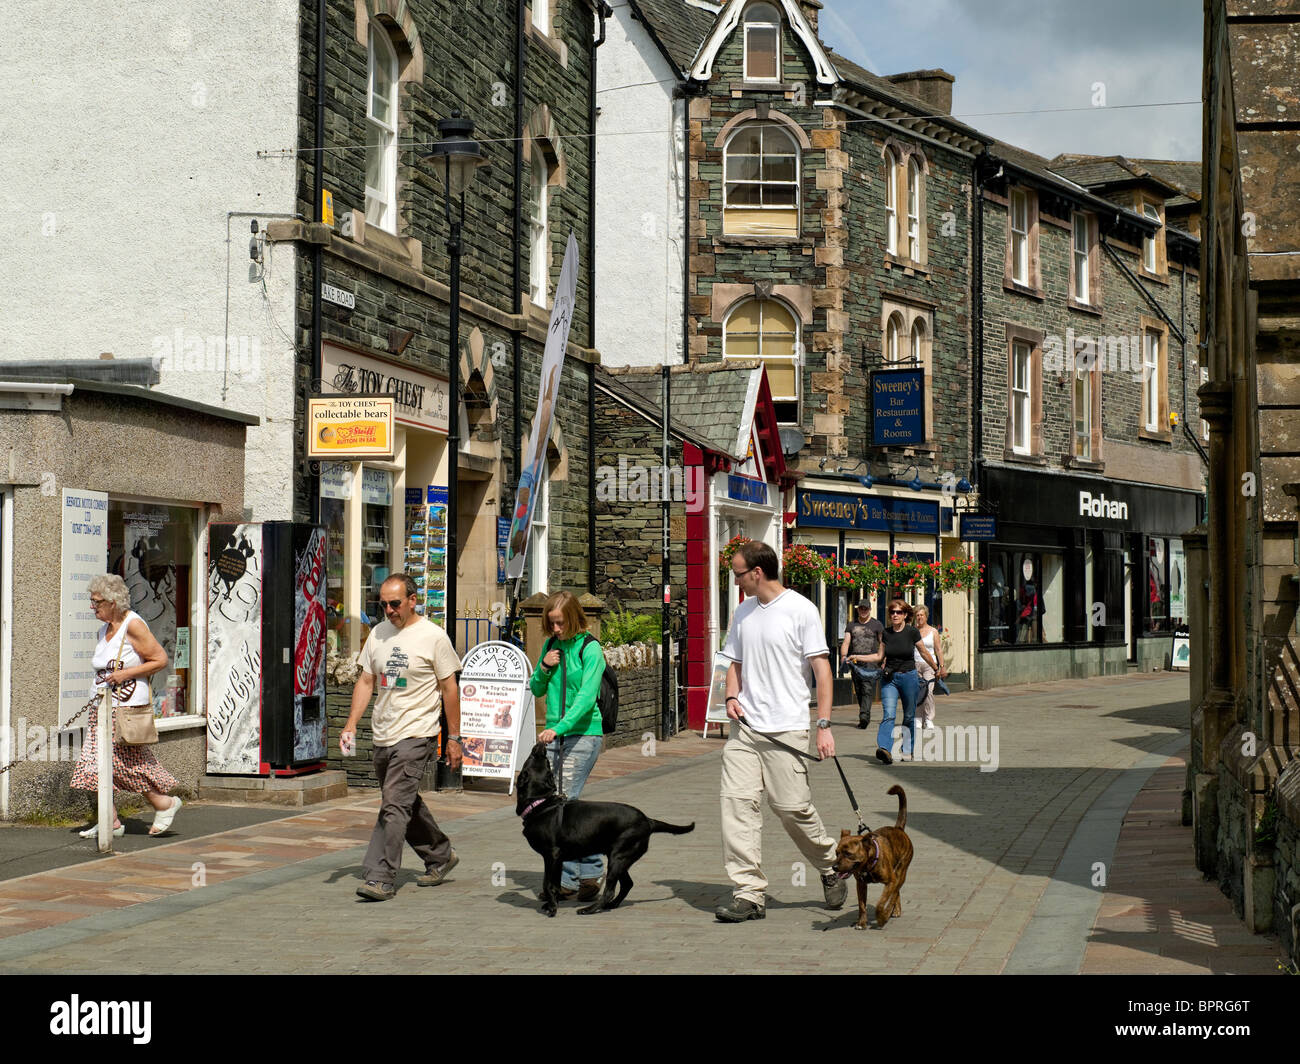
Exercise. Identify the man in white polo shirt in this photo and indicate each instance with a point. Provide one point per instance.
(774, 636)
(415, 666)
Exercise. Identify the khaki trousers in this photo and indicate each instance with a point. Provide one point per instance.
(751, 766)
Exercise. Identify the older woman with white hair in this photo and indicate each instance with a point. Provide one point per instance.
(126, 655)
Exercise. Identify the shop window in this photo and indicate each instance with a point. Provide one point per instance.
(336, 478)
(539, 245)
(766, 329)
(1158, 585)
(152, 547)
(1177, 584)
(762, 43)
(381, 132)
(376, 540)
(1026, 598)
(761, 182)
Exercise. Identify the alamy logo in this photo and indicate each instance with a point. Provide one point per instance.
(132, 1018)
(1102, 507)
(184, 352)
(632, 482)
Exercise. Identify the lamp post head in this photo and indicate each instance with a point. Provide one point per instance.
(455, 156)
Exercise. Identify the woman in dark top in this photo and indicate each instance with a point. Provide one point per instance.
(898, 649)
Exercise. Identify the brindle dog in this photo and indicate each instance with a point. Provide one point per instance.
(877, 857)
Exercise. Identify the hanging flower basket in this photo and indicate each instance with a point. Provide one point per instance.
(733, 544)
(802, 566)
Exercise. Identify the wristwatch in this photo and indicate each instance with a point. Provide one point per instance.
(823, 722)
(455, 739)
(732, 698)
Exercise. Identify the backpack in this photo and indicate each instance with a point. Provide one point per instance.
(606, 697)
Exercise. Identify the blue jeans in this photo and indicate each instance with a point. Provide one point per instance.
(904, 685)
(580, 753)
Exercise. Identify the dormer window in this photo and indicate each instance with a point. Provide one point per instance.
(762, 43)
(1151, 244)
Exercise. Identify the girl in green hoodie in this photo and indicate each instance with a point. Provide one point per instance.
(572, 718)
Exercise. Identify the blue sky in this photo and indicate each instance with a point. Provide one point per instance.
(1045, 56)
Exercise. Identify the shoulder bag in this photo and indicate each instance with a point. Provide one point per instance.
(133, 725)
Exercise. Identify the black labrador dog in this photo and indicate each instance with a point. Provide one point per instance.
(569, 830)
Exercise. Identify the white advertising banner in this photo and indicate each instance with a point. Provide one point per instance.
(85, 555)
(234, 589)
(496, 710)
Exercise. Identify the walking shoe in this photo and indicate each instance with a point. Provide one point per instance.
(740, 910)
(565, 893)
(864, 724)
(882, 755)
(904, 757)
(433, 876)
(589, 889)
(835, 890)
(376, 891)
(93, 830)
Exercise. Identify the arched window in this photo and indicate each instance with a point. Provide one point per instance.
(761, 180)
(381, 132)
(891, 202)
(916, 346)
(539, 248)
(893, 339)
(768, 330)
(762, 43)
(915, 179)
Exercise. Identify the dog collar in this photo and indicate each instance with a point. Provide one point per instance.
(531, 806)
(876, 843)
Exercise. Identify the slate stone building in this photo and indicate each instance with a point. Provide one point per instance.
(844, 228)
(1244, 772)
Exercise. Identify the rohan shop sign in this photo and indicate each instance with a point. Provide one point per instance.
(422, 400)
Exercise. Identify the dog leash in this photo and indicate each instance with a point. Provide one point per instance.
(816, 760)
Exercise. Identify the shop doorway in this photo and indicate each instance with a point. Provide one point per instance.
(1128, 607)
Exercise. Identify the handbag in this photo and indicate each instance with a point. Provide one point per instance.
(132, 725)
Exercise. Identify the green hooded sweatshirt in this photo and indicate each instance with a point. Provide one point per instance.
(581, 714)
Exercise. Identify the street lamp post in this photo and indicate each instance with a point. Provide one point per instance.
(455, 159)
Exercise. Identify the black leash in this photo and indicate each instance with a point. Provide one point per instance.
(862, 824)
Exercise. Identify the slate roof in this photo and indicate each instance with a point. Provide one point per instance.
(711, 401)
(1097, 171)
(679, 28)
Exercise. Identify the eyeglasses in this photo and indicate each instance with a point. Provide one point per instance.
(902, 613)
(395, 604)
(96, 603)
(743, 572)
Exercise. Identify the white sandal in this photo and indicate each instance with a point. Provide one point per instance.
(93, 830)
(163, 818)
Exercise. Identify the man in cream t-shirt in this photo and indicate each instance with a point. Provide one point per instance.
(775, 636)
(414, 665)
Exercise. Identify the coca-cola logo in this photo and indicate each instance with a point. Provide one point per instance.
(308, 653)
(311, 567)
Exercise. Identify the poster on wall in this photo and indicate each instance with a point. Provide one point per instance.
(85, 555)
(497, 719)
(150, 577)
(309, 724)
(234, 592)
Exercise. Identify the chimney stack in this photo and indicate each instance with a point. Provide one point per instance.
(932, 86)
(809, 8)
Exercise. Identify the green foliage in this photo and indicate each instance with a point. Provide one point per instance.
(622, 627)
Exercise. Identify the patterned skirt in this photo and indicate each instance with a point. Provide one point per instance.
(135, 768)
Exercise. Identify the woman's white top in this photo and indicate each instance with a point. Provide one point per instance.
(106, 653)
(928, 640)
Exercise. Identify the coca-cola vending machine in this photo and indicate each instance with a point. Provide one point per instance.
(266, 648)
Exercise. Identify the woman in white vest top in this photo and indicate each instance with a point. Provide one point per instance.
(124, 662)
(930, 640)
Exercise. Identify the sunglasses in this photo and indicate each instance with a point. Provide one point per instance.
(395, 604)
(902, 613)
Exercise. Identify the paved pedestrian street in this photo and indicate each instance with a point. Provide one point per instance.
(1007, 877)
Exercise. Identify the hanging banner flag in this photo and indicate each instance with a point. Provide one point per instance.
(557, 339)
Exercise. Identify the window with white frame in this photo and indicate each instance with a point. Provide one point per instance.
(381, 132)
(1151, 380)
(891, 202)
(542, 16)
(1020, 236)
(539, 234)
(539, 537)
(1149, 258)
(1083, 386)
(766, 329)
(914, 179)
(893, 338)
(1082, 251)
(762, 43)
(761, 182)
(1021, 396)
